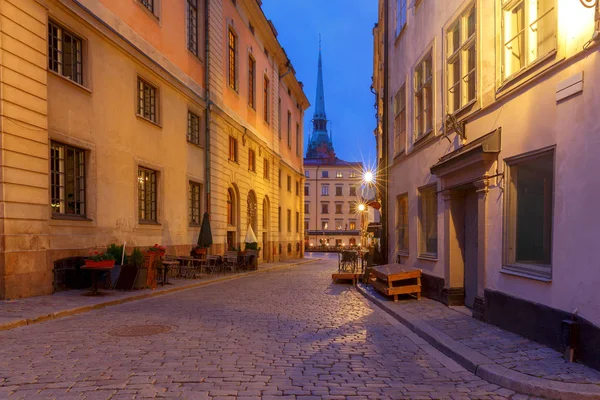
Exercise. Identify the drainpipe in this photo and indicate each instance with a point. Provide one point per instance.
(208, 103)
(384, 138)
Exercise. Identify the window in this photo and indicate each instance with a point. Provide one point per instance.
(194, 203)
(423, 97)
(461, 62)
(339, 224)
(192, 39)
(193, 133)
(297, 188)
(528, 33)
(352, 225)
(428, 221)
(289, 129)
(324, 190)
(232, 59)
(305, 225)
(279, 117)
(147, 195)
(289, 220)
(289, 184)
(307, 190)
(233, 149)
(230, 208)
(338, 174)
(324, 208)
(400, 120)
(324, 225)
(266, 170)
(400, 15)
(266, 99)
(251, 160)
(352, 190)
(352, 174)
(67, 170)
(402, 223)
(353, 207)
(338, 208)
(324, 174)
(251, 81)
(298, 146)
(65, 53)
(149, 4)
(307, 174)
(147, 100)
(338, 190)
(279, 219)
(297, 222)
(279, 177)
(529, 208)
(306, 208)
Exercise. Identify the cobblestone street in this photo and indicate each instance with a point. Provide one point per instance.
(289, 333)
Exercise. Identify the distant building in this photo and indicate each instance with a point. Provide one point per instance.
(332, 187)
(488, 133)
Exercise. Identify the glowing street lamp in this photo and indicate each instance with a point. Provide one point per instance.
(361, 207)
(368, 177)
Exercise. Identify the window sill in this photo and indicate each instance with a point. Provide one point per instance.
(463, 112)
(72, 82)
(233, 161)
(428, 257)
(66, 217)
(422, 142)
(516, 270)
(148, 120)
(149, 223)
(196, 144)
(151, 14)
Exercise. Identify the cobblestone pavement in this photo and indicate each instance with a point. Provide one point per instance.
(505, 348)
(287, 334)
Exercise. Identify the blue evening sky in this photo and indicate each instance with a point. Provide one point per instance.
(346, 28)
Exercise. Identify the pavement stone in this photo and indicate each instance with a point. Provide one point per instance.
(286, 334)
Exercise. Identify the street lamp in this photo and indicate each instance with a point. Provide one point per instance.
(368, 177)
(362, 208)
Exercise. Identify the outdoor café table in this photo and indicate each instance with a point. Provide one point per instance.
(244, 260)
(166, 265)
(95, 271)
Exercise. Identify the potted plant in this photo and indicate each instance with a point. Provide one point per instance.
(158, 250)
(198, 251)
(136, 259)
(100, 260)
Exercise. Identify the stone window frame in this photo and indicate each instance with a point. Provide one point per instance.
(148, 112)
(58, 191)
(420, 89)
(144, 216)
(422, 219)
(537, 271)
(194, 203)
(402, 249)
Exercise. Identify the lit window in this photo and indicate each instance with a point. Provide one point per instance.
(339, 224)
(428, 221)
(530, 198)
(195, 191)
(324, 225)
(65, 54)
(402, 223)
(423, 97)
(462, 61)
(528, 33)
(400, 120)
(352, 174)
(338, 174)
(147, 195)
(352, 225)
(67, 174)
(232, 59)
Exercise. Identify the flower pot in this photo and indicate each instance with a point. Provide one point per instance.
(100, 264)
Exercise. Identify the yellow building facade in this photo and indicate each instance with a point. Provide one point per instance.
(104, 117)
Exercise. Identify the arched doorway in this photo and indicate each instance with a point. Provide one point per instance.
(232, 218)
(252, 211)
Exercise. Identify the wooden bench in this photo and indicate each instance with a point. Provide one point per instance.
(395, 279)
(346, 276)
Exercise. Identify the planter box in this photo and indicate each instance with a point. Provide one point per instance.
(100, 264)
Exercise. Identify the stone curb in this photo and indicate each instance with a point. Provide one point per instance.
(484, 367)
(79, 310)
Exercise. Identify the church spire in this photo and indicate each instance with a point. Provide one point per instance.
(320, 144)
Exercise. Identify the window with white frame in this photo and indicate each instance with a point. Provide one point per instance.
(528, 33)
(400, 120)
(402, 223)
(529, 209)
(325, 190)
(423, 106)
(428, 221)
(400, 15)
(461, 61)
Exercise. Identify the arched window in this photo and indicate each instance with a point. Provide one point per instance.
(230, 208)
(252, 211)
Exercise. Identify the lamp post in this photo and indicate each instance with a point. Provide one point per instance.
(362, 208)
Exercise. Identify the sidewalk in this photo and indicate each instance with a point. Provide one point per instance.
(496, 355)
(31, 310)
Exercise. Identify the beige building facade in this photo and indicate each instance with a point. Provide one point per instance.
(108, 111)
(488, 126)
